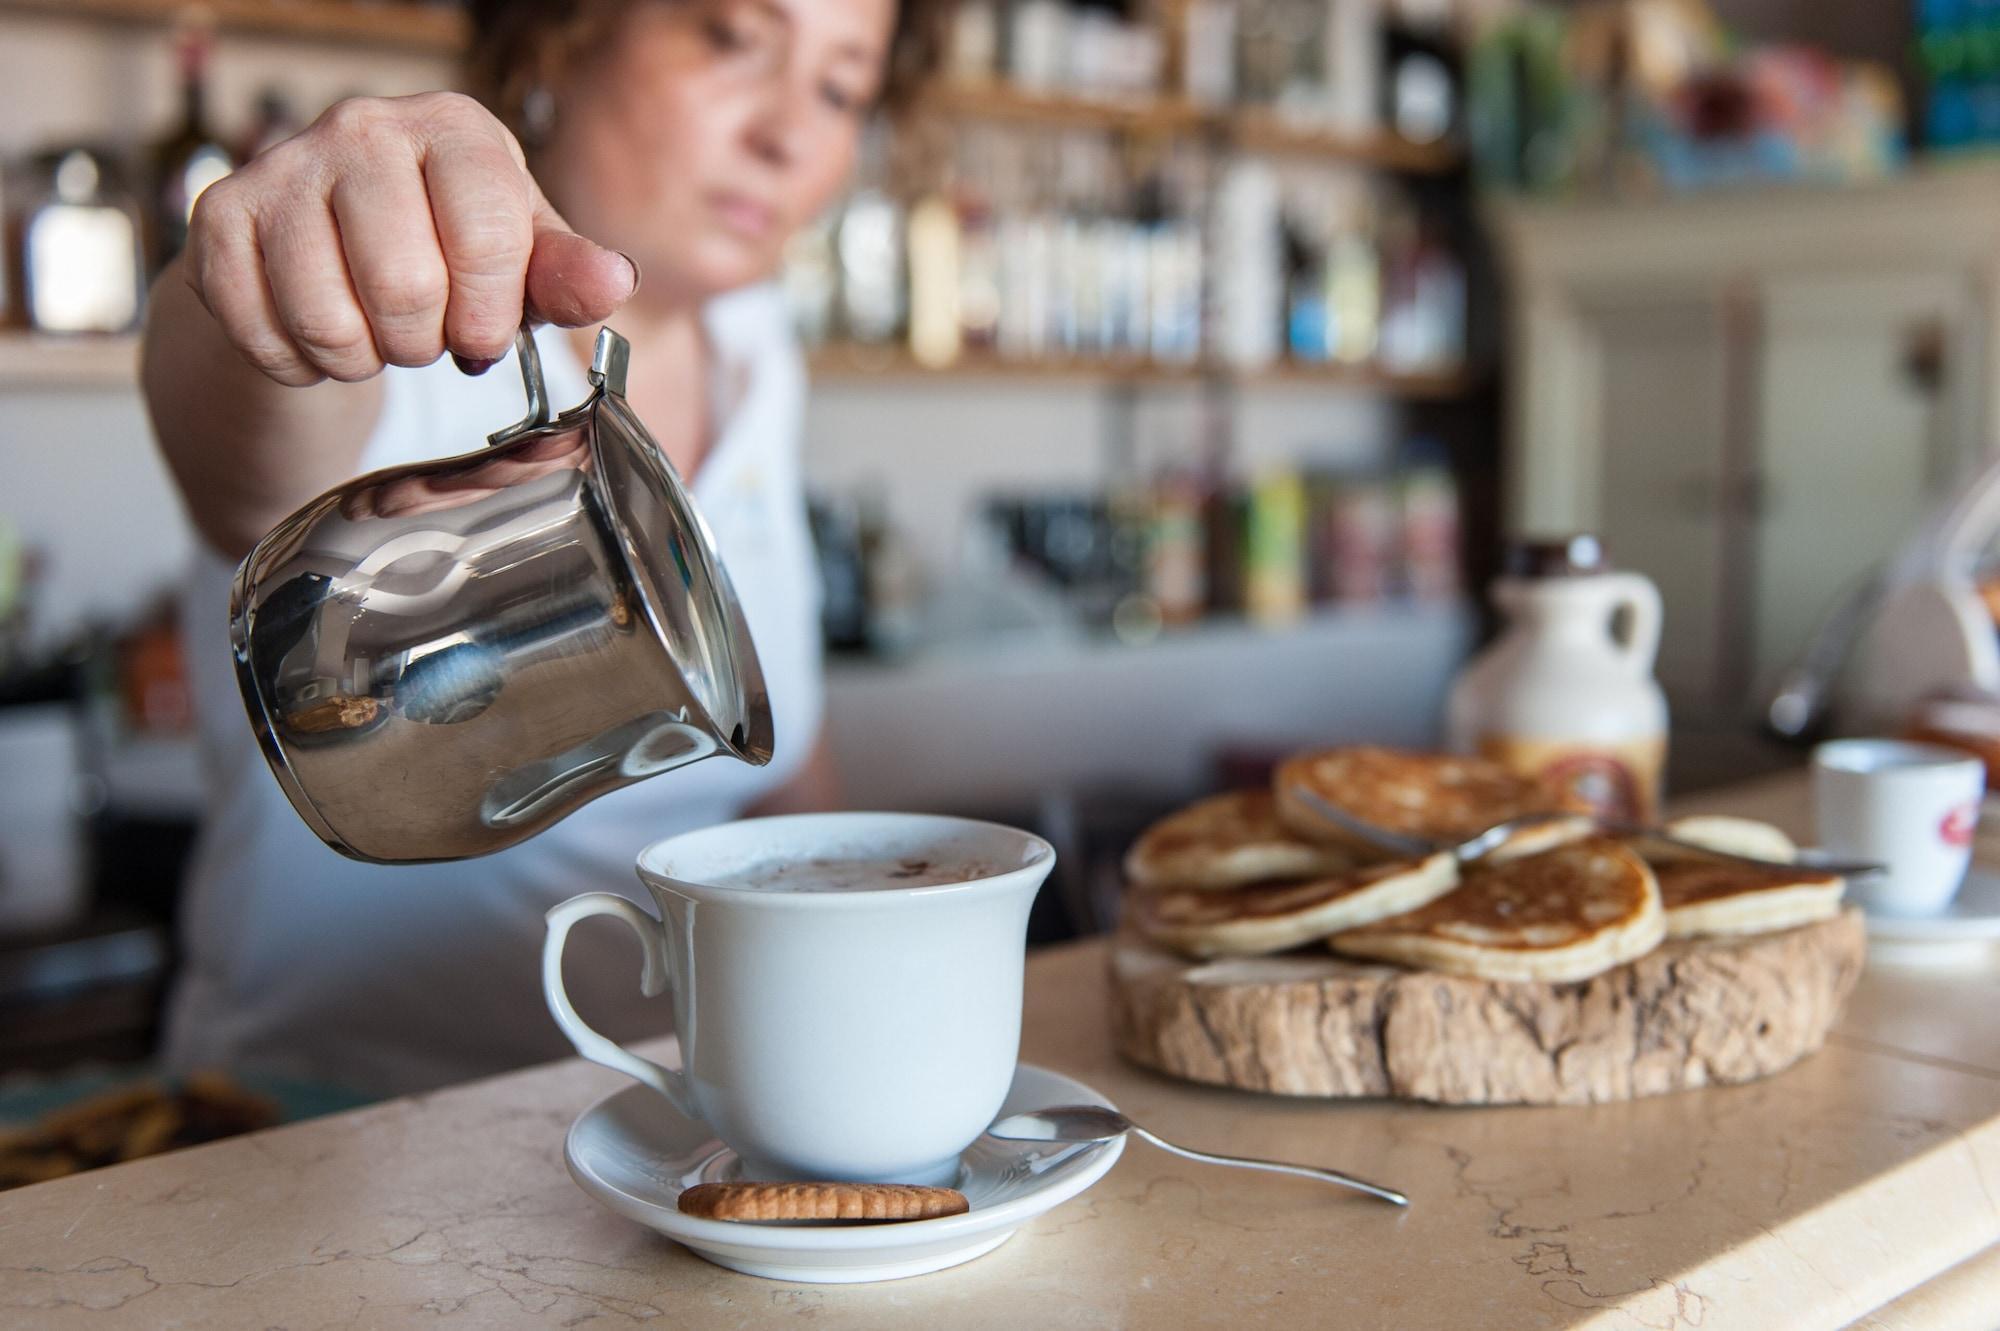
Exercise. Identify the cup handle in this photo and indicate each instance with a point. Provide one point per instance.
(667, 1081)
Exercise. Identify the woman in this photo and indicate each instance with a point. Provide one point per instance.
(298, 341)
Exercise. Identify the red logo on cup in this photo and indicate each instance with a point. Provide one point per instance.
(1956, 829)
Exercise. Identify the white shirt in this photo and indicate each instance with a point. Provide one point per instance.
(301, 963)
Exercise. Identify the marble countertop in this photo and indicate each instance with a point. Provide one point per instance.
(1860, 1187)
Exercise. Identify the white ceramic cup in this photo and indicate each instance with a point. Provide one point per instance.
(1910, 806)
(868, 1034)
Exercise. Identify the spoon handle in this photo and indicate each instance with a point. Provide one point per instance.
(1278, 1167)
(1861, 869)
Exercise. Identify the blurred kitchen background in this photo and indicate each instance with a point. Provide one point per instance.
(1181, 371)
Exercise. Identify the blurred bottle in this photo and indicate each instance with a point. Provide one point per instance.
(1421, 76)
(1364, 540)
(894, 586)
(1172, 258)
(1423, 298)
(1353, 65)
(936, 332)
(811, 280)
(1305, 297)
(1176, 562)
(1430, 528)
(275, 122)
(1266, 49)
(81, 266)
(192, 157)
(1353, 280)
(979, 272)
(975, 42)
(869, 246)
(1274, 575)
(1249, 266)
(1208, 52)
(1038, 43)
(1027, 244)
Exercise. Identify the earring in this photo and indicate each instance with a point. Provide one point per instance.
(538, 115)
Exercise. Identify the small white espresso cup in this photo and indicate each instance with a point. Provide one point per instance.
(1910, 806)
(861, 1034)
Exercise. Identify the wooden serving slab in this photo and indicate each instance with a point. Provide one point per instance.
(1695, 1012)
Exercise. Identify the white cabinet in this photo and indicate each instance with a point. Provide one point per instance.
(1751, 397)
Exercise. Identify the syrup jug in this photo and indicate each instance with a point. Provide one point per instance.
(1567, 692)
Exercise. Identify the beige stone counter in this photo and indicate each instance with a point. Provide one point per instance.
(1862, 1185)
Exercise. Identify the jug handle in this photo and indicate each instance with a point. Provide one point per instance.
(530, 358)
(1641, 600)
(599, 1049)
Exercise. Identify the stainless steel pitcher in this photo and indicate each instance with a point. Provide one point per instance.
(441, 660)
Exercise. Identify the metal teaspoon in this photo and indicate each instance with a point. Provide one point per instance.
(1100, 1123)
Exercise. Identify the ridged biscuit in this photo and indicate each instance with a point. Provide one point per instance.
(1565, 914)
(884, 1202)
(1443, 798)
(1271, 917)
(1226, 841)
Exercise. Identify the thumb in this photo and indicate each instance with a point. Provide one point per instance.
(573, 282)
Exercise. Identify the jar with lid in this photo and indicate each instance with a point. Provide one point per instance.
(1567, 691)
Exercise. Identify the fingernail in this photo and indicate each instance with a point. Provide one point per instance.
(475, 368)
(633, 264)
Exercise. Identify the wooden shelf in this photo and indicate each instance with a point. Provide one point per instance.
(48, 361)
(442, 30)
(1263, 131)
(840, 362)
(1250, 130)
(1164, 117)
(30, 361)
(413, 27)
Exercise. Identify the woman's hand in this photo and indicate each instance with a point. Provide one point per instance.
(390, 232)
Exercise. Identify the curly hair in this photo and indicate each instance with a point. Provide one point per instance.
(520, 45)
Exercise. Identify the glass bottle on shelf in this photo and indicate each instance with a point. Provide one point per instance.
(974, 49)
(810, 280)
(978, 240)
(81, 267)
(1249, 266)
(1421, 76)
(1354, 280)
(1274, 584)
(1353, 65)
(1176, 561)
(1208, 52)
(1174, 268)
(191, 158)
(869, 246)
(935, 330)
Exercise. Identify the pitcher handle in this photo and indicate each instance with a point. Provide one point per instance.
(670, 1082)
(530, 358)
(1641, 600)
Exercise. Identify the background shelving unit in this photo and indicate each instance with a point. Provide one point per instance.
(28, 359)
(405, 26)
(409, 26)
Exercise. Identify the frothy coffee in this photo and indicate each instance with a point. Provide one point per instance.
(859, 874)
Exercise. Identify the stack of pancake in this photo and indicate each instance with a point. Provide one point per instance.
(1260, 871)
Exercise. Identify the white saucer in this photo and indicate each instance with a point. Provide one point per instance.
(1963, 934)
(635, 1153)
